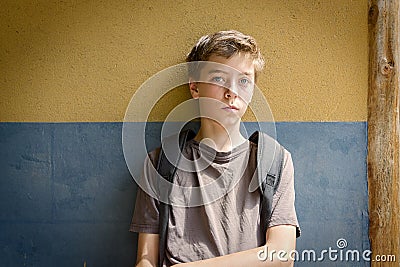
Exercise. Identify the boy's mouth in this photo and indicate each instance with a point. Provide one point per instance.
(231, 107)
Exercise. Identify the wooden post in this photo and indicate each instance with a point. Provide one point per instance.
(383, 130)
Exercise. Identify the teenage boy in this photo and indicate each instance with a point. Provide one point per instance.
(226, 231)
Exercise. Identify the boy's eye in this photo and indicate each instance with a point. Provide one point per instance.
(244, 81)
(218, 79)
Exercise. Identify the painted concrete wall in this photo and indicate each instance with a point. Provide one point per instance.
(83, 60)
(66, 195)
(69, 69)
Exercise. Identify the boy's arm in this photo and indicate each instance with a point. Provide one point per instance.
(281, 237)
(147, 252)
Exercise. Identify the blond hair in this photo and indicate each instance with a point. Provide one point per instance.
(225, 44)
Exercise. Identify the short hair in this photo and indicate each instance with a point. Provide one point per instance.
(225, 44)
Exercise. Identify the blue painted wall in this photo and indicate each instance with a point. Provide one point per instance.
(66, 195)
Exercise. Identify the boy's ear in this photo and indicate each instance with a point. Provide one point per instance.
(194, 91)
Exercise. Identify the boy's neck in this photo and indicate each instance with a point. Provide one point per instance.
(223, 139)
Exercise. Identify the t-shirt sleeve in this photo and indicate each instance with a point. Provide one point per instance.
(145, 215)
(283, 208)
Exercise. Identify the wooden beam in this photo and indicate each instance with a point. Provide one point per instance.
(383, 129)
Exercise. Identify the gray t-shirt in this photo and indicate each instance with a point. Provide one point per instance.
(227, 225)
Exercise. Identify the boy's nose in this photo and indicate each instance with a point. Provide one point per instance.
(229, 94)
(231, 90)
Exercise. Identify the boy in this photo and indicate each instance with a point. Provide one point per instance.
(227, 230)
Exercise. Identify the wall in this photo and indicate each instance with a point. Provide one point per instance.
(69, 70)
(64, 61)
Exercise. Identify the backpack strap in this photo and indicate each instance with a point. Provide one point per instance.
(167, 170)
(270, 157)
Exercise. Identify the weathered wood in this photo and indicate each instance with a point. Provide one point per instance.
(383, 130)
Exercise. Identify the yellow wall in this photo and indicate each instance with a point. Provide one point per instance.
(83, 60)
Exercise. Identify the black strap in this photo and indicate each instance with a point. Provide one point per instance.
(167, 170)
(270, 157)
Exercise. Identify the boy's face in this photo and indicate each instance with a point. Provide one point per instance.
(225, 89)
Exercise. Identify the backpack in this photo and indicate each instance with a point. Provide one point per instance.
(269, 168)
